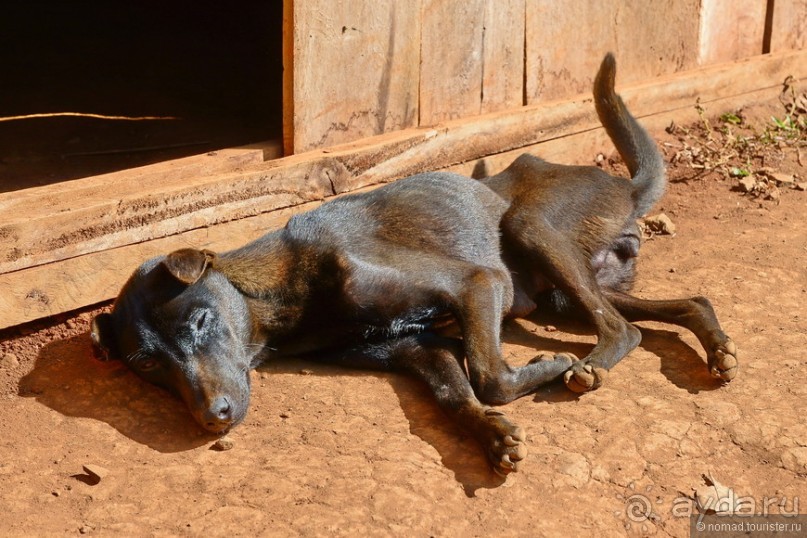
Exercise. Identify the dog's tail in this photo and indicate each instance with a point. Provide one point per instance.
(637, 149)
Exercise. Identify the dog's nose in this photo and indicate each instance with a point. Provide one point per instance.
(219, 415)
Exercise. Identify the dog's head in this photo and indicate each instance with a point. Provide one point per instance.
(182, 325)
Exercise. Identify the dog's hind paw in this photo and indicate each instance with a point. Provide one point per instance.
(723, 361)
(583, 377)
(562, 360)
(550, 366)
(506, 443)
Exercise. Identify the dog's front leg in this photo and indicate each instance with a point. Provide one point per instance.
(485, 295)
(438, 361)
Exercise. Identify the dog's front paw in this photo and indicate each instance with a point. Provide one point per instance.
(583, 377)
(506, 442)
(723, 361)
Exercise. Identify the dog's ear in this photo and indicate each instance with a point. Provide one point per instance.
(480, 170)
(102, 333)
(187, 265)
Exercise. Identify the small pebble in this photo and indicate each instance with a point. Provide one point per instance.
(782, 179)
(96, 472)
(660, 224)
(550, 328)
(9, 360)
(747, 184)
(306, 371)
(222, 444)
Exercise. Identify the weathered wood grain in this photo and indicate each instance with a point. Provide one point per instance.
(566, 40)
(84, 217)
(503, 55)
(789, 25)
(356, 69)
(451, 59)
(288, 77)
(730, 30)
(472, 59)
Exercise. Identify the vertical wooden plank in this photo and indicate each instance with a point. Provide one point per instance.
(567, 40)
(730, 30)
(288, 77)
(503, 55)
(472, 58)
(451, 59)
(356, 68)
(789, 27)
(656, 38)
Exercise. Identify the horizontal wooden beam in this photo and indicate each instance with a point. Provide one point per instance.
(582, 148)
(58, 222)
(69, 284)
(79, 248)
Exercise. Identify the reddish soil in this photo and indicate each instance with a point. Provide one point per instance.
(326, 451)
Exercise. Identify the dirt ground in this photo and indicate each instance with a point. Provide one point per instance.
(326, 451)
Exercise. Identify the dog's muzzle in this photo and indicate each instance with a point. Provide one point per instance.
(219, 416)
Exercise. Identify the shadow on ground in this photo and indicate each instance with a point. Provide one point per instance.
(684, 366)
(69, 380)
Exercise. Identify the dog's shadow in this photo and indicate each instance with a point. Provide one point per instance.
(683, 365)
(69, 380)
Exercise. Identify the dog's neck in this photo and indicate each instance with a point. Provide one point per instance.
(279, 279)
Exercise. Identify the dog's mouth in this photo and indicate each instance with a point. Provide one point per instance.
(219, 430)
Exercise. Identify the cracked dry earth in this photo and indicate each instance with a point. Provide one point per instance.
(326, 451)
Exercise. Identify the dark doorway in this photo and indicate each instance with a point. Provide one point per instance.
(212, 71)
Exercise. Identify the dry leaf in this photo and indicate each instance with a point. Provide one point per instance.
(714, 497)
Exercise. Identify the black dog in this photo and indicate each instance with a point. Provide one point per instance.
(371, 280)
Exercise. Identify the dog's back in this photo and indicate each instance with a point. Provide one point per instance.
(572, 186)
(435, 212)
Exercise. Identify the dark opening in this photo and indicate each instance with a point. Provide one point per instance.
(215, 67)
(766, 35)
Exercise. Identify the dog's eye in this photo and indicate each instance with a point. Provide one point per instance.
(200, 320)
(148, 364)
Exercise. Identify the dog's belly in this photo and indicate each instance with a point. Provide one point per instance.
(414, 321)
(337, 331)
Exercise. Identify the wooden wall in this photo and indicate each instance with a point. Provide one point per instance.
(789, 25)
(363, 67)
(356, 69)
(375, 90)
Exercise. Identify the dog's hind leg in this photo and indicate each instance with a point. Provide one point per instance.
(550, 254)
(695, 314)
(439, 362)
